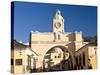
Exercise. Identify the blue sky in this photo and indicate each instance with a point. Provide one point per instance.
(29, 16)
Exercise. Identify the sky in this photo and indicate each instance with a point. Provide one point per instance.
(30, 16)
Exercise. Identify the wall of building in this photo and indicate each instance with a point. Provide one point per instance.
(42, 42)
(78, 40)
(81, 57)
(48, 38)
(38, 36)
(18, 55)
(22, 54)
(93, 56)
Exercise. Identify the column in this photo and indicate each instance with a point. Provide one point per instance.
(81, 61)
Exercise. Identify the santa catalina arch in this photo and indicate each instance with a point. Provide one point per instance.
(58, 48)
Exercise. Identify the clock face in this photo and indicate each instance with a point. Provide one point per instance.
(57, 25)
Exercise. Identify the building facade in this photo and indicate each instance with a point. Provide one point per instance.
(74, 52)
(23, 59)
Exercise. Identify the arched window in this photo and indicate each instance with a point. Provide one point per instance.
(58, 37)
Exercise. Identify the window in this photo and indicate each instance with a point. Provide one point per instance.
(12, 61)
(51, 59)
(18, 62)
(51, 63)
(54, 36)
(80, 59)
(59, 55)
(76, 60)
(55, 57)
(84, 59)
(67, 51)
(29, 60)
(58, 37)
(47, 56)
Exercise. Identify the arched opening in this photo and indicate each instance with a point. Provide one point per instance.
(58, 58)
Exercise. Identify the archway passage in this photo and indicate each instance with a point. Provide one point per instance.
(58, 58)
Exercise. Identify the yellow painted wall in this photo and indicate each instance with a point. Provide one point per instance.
(93, 56)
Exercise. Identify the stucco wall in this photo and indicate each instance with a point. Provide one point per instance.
(93, 56)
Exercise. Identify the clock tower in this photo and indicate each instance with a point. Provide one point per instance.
(58, 22)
